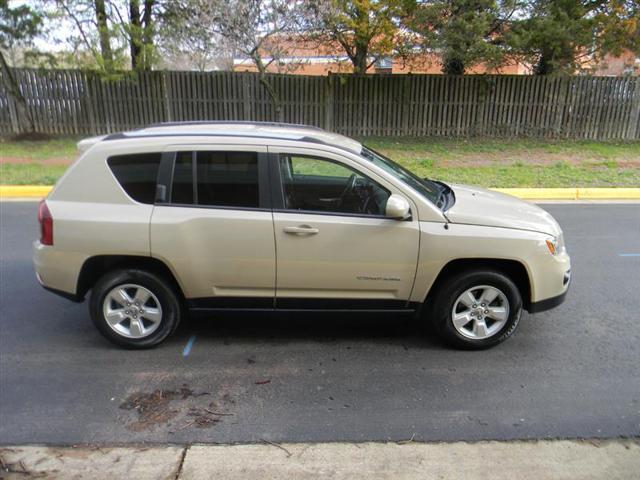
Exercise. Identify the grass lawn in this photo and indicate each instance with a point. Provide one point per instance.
(485, 162)
(517, 163)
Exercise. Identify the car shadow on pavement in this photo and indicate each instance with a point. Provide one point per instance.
(286, 327)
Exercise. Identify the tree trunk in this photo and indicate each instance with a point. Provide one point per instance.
(359, 60)
(544, 65)
(452, 66)
(103, 33)
(135, 40)
(141, 34)
(273, 96)
(147, 22)
(147, 33)
(25, 120)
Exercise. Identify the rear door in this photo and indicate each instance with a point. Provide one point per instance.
(213, 225)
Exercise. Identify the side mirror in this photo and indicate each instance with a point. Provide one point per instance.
(398, 207)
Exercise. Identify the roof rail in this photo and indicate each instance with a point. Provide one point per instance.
(230, 122)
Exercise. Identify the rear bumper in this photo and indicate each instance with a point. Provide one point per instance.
(57, 271)
(69, 296)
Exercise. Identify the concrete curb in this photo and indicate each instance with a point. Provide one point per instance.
(525, 460)
(573, 193)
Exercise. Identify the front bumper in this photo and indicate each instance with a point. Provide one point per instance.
(554, 301)
(547, 304)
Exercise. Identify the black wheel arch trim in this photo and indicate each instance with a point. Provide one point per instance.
(514, 269)
(94, 267)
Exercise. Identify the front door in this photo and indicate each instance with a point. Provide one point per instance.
(335, 247)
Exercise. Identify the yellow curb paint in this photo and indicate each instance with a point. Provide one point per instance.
(541, 193)
(608, 193)
(24, 191)
(622, 193)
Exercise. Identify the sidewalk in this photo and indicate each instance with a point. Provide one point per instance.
(522, 460)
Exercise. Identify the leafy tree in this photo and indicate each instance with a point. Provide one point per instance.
(106, 28)
(556, 34)
(367, 30)
(18, 27)
(190, 34)
(257, 29)
(464, 32)
(140, 31)
(562, 36)
(91, 36)
(618, 24)
(104, 34)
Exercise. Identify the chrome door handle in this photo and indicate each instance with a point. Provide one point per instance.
(301, 230)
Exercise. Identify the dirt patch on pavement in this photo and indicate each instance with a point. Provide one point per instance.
(179, 409)
(155, 408)
(152, 408)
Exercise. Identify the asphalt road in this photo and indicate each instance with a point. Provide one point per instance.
(570, 372)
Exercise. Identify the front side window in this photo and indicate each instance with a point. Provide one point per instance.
(321, 185)
(216, 178)
(137, 173)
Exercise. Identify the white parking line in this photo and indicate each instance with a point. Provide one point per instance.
(188, 346)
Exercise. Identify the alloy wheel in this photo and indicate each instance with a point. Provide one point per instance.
(132, 311)
(480, 312)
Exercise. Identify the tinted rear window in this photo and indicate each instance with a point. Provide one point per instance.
(137, 174)
(224, 179)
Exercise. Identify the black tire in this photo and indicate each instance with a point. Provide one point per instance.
(440, 312)
(163, 290)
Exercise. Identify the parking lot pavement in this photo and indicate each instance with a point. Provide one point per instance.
(570, 372)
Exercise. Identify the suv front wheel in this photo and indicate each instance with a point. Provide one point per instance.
(134, 308)
(476, 310)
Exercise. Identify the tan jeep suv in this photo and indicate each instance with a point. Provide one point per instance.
(205, 217)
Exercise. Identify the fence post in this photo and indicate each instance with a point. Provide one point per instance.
(246, 97)
(168, 113)
(13, 114)
(634, 116)
(328, 103)
(482, 86)
(15, 126)
(406, 103)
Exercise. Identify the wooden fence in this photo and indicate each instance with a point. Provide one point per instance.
(81, 103)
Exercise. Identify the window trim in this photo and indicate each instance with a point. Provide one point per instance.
(278, 187)
(334, 214)
(168, 168)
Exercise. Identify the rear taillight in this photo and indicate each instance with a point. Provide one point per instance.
(46, 224)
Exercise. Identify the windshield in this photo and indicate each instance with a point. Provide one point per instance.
(428, 188)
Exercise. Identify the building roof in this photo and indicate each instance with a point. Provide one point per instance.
(280, 131)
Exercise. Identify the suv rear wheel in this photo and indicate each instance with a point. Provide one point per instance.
(476, 310)
(134, 308)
